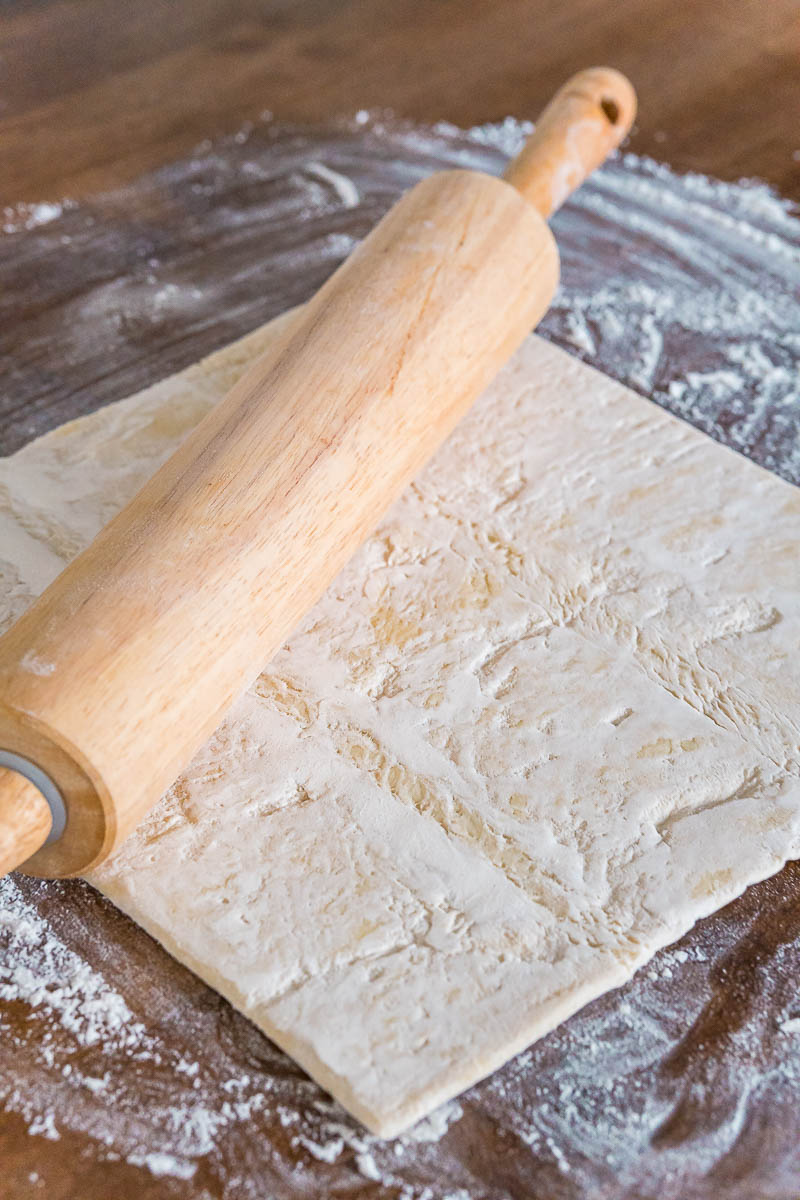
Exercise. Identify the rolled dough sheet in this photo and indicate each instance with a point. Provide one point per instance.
(544, 720)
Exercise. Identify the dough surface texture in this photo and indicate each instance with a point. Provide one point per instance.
(544, 720)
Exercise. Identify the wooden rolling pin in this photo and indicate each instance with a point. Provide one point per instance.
(114, 678)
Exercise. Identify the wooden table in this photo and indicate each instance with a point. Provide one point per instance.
(95, 91)
(95, 94)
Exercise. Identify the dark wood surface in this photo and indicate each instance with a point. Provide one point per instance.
(96, 91)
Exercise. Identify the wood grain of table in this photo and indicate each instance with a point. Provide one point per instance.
(96, 91)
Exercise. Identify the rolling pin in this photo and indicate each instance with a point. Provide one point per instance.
(117, 674)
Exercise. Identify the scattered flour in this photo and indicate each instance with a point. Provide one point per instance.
(163, 1164)
(344, 188)
(39, 970)
(29, 216)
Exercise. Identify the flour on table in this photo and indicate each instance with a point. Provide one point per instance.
(544, 720)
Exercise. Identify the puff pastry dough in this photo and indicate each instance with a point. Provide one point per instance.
(544, 720)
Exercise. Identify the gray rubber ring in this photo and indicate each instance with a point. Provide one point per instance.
(44, 783)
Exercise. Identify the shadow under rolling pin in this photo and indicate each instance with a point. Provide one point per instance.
(154, 630)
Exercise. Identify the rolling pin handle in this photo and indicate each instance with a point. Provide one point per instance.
(27, 818)
(586, 119)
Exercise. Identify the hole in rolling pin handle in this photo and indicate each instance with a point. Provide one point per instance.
(610, 108)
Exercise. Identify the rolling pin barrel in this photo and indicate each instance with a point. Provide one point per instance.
(128, 661)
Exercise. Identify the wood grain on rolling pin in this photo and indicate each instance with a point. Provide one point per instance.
(149, 636)
(159, 625)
